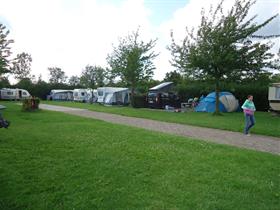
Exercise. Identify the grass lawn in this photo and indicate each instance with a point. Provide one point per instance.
(51, 160)
(266, 124)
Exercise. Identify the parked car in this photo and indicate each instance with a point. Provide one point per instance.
(162, 95)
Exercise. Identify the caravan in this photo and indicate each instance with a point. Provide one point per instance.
(85, 95)
(14, 94)
(80, 95)
(274, 97)
(113, 96)
(91, 95)
(61, 95)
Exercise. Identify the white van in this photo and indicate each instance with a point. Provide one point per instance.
(14, 94)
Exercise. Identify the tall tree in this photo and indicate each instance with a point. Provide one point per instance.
(222, 47)
(74, 81)
(132, 60)
(5, 50)
(21, 66)
(57, 75)
(93, 76)
(173, 76)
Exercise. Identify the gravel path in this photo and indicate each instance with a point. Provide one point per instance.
(255, 142)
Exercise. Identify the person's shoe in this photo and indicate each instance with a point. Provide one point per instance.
(248, 134)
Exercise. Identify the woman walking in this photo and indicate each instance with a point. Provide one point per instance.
(249, 109)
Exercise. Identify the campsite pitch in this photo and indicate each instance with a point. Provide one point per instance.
(256, 142)
(52, 160)
(267, 124)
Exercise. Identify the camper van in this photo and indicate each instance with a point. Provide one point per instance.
(162, 95)
(13, 94)
(274, 97)
(113, 96)
(61, 95)
(80, 95)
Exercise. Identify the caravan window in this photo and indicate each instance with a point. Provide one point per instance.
(10, 93)
(82, 93)
(75, 94)
(100, 93)
(24, 93)
(277, 95)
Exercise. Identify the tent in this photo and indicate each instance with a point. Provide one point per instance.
(61, 95)
(113, 95)
(228, 103)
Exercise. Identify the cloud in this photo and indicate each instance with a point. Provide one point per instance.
(71, 35)
(190, 16)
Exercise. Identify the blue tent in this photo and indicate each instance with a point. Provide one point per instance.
(227, 103)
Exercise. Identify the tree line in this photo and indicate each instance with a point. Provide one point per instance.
(225, 48)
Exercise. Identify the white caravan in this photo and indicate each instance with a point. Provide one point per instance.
(113, 95)
(80, 95)
(14, 94)
(274, 97)
(91, 95)
(60, 95)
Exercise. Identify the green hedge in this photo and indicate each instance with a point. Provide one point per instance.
(240, 91)
(30, 104)
(139, 101)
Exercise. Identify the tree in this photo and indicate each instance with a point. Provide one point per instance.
(74, 81)
(93, 76)
(4, 82)
(21, 67)
(222, 47)
(57, 75)
(132, 59)
(5, 50)
(173, 76)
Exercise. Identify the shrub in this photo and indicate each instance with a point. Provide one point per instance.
(30, 104)
(139, 101)
(240, 91)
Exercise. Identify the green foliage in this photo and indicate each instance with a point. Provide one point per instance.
(144, 86)
(198, 88)
(74, 81)
(57, 75)
(30, 104)
(173, 76)
(139, 101)
(93, 77)
(5, 50)
(222, 48)
(4, 82)
(22, 66)
(132, 59)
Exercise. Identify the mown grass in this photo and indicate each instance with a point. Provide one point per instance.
(266, 123)
(51, 160)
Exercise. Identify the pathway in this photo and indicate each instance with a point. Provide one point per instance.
(255, 142)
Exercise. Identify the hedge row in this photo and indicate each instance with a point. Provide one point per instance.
(240, 91)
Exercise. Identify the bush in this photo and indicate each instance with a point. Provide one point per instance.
(139, 101)
(30, 104)
(240, 91)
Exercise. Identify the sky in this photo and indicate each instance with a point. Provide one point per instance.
(71, 34)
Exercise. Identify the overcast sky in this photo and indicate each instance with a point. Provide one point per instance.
(71, 34)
